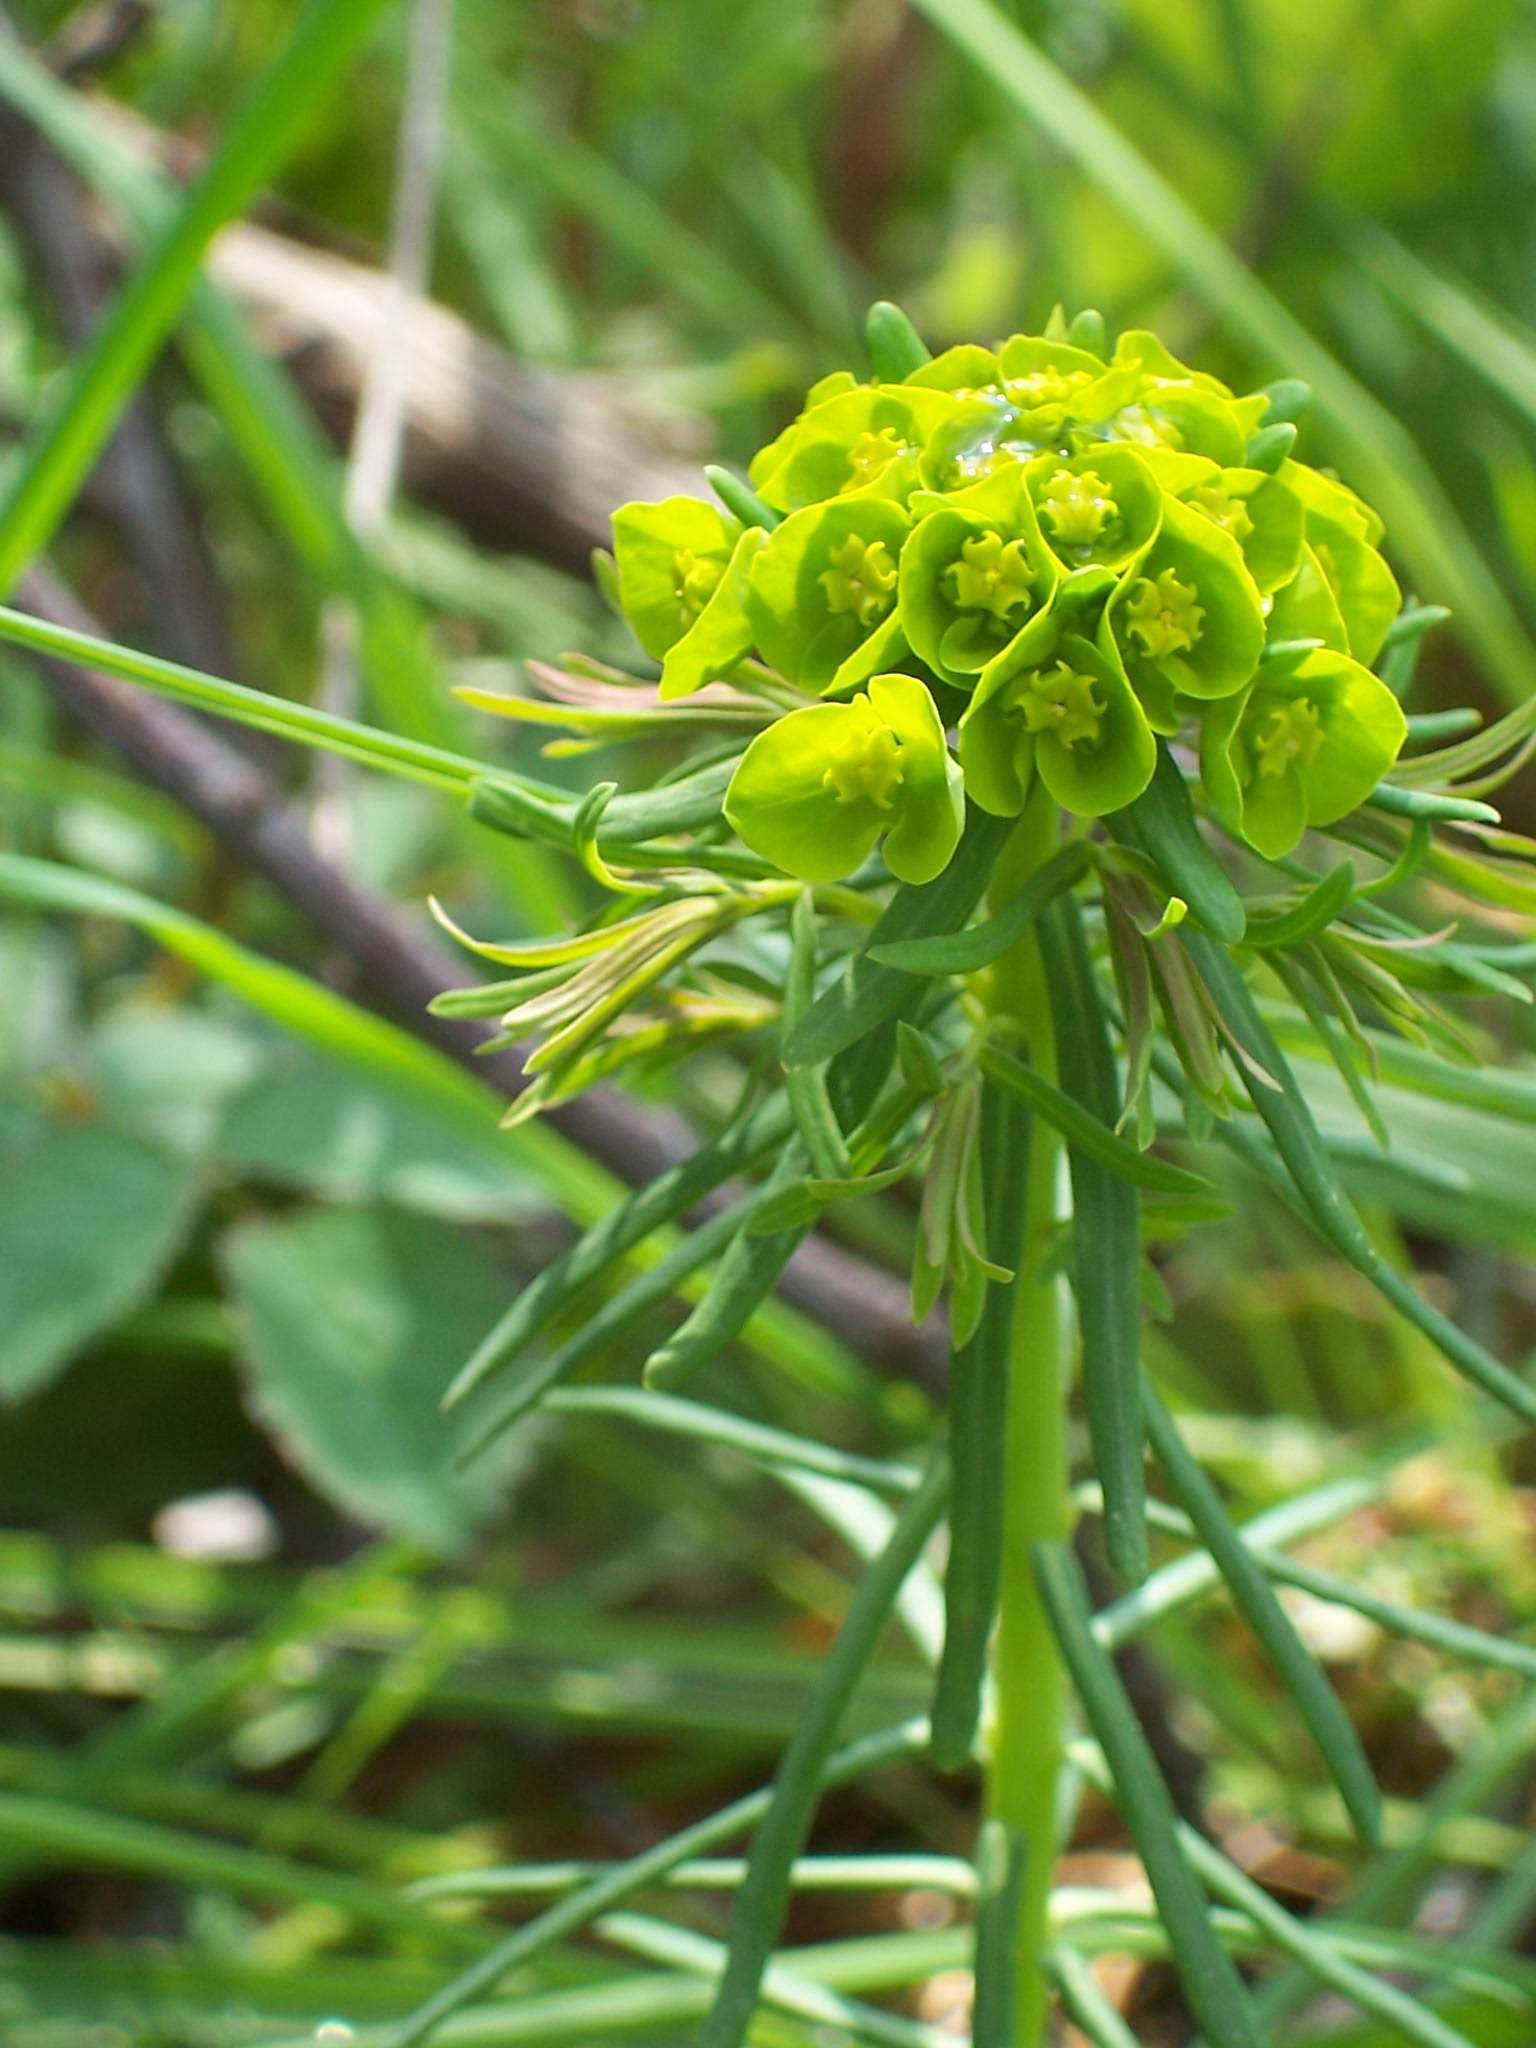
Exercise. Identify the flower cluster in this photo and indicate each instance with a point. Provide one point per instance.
(1054, 557)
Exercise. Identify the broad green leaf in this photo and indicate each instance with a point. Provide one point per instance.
(305, 1123)
(90, 1217)
(351, 1324)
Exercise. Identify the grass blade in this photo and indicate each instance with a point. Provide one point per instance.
(1211, 1983)
(782, 1832)
(708, 1424)
(1087, 2007)
(88, 1837)
(571, 1914)
(366, 744)
(659, 1941)
(77, 422)
(1321, 1961)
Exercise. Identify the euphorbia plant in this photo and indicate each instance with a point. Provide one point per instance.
(1039, 691)
(1012, 623)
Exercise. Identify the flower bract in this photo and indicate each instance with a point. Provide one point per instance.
(670, 557)
(821, 596)
(1059, 706)
(1299, 748)
(816, 792)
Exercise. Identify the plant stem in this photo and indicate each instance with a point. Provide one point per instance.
(1026, 1736)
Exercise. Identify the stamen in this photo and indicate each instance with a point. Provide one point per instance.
(1281, 731)
(862, 579)
(865, 764)
(1078, 507)
(1164, 615)
(1230, 514)
(991, 576)
(1061, 701)
(694, 579)
(872, 453)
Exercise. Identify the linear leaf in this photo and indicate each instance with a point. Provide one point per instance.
(1086, 1131)
(866, 993)
(968, 951)
(797, 1783)
(1315, 1699)
(1211, 1983)
(1106, 1244)
(565, 1918)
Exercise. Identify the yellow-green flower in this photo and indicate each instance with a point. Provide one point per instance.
(821, 595)
(1188, 619)
(1057, 705)
(974, 571)
(670, 558)
(817, 791)
(1102, 506)
(1305, 744)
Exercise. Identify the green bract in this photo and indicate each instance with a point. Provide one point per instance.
(868, 438)
(815, 792)
(1341, 532)
(1181, 408)
(1306, 608)
(973, 573)
(670, 557)
(722, 633)
(1057, 705)
(1261, 513)
(1188, 620)
(1103, 506)
(1301, 747)
(821, 595)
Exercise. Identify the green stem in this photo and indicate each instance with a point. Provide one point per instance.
(1027, 1732)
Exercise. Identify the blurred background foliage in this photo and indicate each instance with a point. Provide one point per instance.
(265, 1652)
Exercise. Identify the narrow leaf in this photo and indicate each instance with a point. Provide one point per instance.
(968, 951)
(978, 1418)
(1163, 820)
(866, 994)
(1211, 1983)
(1106, 1244)
(781, 1835)
(1085, 1131)
(1314, 1698)
(78, 418)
